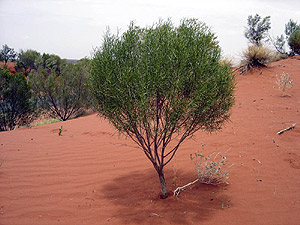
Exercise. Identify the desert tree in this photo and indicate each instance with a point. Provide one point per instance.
(27, 60)
(7, 54)
(290, 28)
(292, 31)
(290, 38)
(294, 42)
(49, 63)
(257, 29)
(256, 55)
(161, 84)
(16, 107)
(63, 94)
(279, 44)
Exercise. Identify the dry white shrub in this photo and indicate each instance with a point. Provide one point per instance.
(212, 169)
(284, 82)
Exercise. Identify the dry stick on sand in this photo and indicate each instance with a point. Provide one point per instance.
(179, 189)
(286, 129)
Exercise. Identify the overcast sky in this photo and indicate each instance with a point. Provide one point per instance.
(73, 28)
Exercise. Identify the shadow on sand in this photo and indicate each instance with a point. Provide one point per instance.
(137, 200)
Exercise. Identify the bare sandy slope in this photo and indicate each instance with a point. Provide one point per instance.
(90, 175)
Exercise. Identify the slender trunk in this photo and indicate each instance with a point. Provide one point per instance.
(163, 184)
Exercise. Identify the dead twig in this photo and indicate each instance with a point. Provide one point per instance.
(286, 129)
(154, 215)
(179, 189)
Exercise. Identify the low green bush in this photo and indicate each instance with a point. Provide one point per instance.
(16, 107)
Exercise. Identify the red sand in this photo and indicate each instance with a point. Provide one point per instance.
(10, 66)
(90, 176)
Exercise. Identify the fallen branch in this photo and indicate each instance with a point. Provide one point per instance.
(179, 189)
(286, 129)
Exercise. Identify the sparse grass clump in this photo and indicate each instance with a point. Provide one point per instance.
(227, 61)
(46, 121)
(284, 82)
(256, 57)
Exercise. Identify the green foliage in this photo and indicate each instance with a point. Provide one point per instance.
(290, 28)
(16, 108)
(294, 41)
(63, 94)
(50, 63)
(7, 54)
(292, 37)
(45, 121)
(27, 60)
(257, 29)
(255, 57)
(292, 34)
(159, 82)
(280, 45)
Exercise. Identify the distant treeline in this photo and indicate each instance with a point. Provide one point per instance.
(32, 83)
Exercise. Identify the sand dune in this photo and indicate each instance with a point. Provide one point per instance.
(90, 175)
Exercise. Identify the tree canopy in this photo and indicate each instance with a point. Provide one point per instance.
(27, 60)
(161, 84)
(294, 42)
(257, 29)
(65, 93)
(7, 54)
(16, 108)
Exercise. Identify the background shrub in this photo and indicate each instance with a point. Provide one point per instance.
(7, 54)
(63, 94)
(16, 108)
(27, 61)
(257, 29)
(291, 38)
(227, 61)
(294, 41)
(255, 57)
